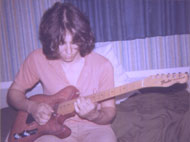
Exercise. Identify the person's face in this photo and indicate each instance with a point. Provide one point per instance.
(69, 51)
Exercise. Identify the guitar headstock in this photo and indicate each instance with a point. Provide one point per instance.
(165, 80)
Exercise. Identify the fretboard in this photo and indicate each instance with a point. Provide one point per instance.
(68, 107)
(152, 81)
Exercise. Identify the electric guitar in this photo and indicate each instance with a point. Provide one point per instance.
(25, 129)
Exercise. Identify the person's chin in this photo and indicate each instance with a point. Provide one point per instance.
(67, 60)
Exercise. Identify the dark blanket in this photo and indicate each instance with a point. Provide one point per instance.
(154, 116)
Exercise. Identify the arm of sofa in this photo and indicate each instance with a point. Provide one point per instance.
(8, 116)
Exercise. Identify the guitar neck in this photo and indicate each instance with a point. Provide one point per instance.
(68, 107)
(152, 81)
(116, 91)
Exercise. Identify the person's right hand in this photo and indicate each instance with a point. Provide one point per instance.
(40, 111)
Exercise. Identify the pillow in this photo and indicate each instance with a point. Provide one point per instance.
(106, 49)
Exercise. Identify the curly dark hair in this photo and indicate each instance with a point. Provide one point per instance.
(59, 19)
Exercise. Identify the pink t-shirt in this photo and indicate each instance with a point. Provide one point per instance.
(96, 75)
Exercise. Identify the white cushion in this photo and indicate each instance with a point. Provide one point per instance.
(106, 49)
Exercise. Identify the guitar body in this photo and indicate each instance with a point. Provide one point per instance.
(25, 129)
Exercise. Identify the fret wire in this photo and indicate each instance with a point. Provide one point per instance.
(68, 106)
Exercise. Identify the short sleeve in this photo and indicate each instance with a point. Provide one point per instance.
(27, 76)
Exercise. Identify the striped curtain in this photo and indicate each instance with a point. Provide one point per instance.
(19, 23)
(114, 20)
(153, 53)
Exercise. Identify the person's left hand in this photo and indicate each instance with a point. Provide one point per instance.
(85, 108)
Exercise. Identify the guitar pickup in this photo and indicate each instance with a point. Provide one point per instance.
(25, 133)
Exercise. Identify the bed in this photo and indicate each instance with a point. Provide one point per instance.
(154, 115)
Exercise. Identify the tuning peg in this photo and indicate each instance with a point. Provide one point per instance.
(174, 75)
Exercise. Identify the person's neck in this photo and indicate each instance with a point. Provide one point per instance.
(78, 60)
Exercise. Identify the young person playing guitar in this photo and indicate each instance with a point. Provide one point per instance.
(66, 58)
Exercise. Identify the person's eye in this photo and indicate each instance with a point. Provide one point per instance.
(61, 43)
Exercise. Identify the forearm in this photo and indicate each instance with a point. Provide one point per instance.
(18, 100)
(104, 116)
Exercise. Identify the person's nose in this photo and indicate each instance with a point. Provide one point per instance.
(68, 49)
